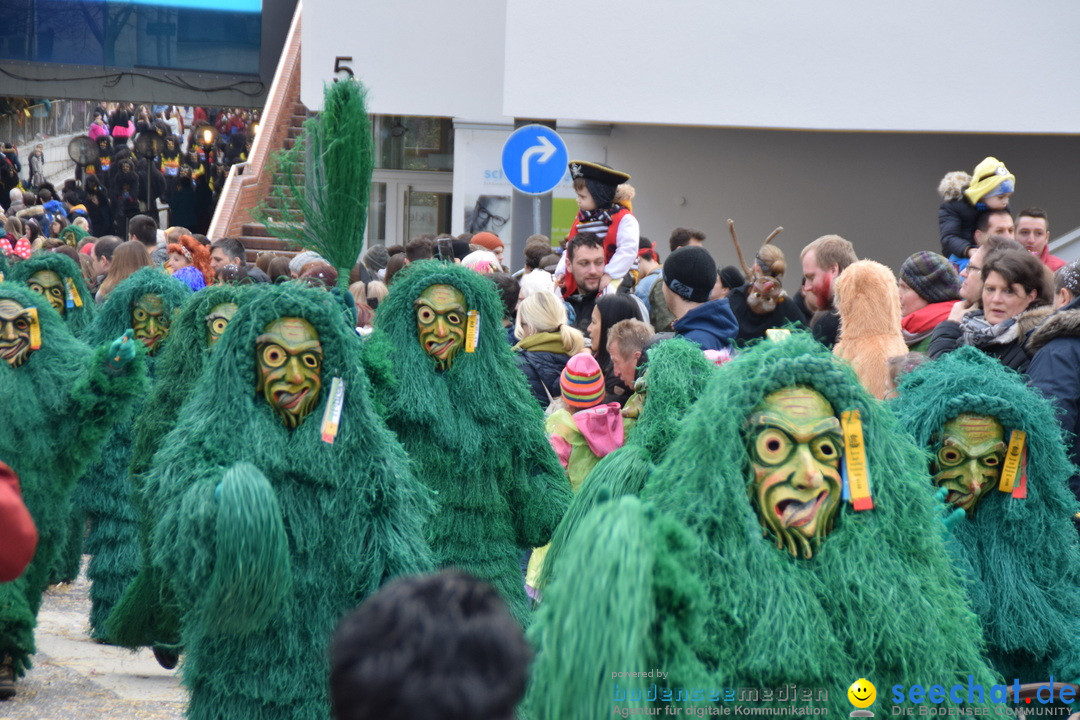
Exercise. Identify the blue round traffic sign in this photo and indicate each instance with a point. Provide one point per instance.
(534, 159)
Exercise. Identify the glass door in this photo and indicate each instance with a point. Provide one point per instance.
(407, 204)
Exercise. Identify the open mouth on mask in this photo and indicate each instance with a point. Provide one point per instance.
(11, 349)
(795, 513)
(290, 400)
(957, 498)
(439, 348)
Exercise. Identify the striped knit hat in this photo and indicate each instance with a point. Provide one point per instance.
(581, 382)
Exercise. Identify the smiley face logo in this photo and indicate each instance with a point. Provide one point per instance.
(862, 693)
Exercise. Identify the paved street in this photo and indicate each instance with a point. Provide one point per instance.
(74, 678)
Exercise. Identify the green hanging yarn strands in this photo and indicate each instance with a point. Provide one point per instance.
(58, 407)
(1020, 556)
(105, 493)
(266, 535)
(145, 615)
(475, 435)
(336, 157)
(879, 596)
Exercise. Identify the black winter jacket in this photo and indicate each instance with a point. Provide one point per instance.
(1055, 372)
(956, 225)
(542, 369)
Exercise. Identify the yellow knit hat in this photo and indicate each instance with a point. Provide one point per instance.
(989, 175)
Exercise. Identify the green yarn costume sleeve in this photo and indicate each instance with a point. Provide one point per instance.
(538, 495)
(623, 472)
(624, 601)
(101, 399)
(223, 546)
(389, 524)
(251, 571)
(375, 357)
(183, 540)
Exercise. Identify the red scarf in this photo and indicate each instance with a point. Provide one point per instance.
(927, 318)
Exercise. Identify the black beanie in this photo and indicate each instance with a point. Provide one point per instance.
(731, 277)
(690, 273)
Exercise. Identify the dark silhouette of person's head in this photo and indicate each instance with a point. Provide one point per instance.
(432, 647)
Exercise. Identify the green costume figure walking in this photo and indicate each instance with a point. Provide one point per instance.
(742, 566)
(141, 617)
(59, 279)
(1018, 548)
(276, 516)
(60, 398)
(464, 413)
(144, 302)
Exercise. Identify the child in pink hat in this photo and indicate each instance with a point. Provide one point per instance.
(582, 430)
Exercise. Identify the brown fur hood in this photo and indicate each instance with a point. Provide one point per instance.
(865, 295)
(1064, 323)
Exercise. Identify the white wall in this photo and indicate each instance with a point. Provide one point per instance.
(923, 65)
(416, 57)
(878, 190)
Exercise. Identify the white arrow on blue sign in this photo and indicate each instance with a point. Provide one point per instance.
(534, 159)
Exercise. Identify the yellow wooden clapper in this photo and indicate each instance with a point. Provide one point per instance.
(855, 460)
(332, 414)
(35, 329)
(1013, 456)
(472, 331)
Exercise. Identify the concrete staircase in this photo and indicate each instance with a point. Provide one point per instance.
(251, 183)
(255, 236)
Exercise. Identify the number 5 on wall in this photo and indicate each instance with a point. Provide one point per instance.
(339, 68)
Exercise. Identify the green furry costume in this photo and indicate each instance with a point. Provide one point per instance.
(57, 409)
(104, 494)
(78, 319)
(78, 315)
(475, 434)
(676, 377)
(268, 535)
(683, 579)
(141, 618)
(1021, 556)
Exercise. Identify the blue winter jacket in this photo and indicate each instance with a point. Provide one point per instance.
(711, 325)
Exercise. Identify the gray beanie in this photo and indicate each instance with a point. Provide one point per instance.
(376, 258)
(308, 256)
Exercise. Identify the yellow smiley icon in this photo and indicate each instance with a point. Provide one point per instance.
(862, 693)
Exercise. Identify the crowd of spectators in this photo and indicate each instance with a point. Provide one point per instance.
(193, 149)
